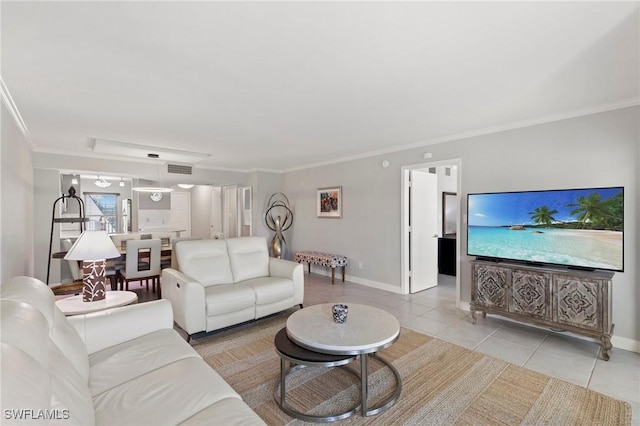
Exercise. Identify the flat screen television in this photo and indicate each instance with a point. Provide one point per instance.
(578, 228)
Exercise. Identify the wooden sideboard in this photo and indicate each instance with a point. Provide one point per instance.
(560, 299)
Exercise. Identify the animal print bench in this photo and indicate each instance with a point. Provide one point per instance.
(323, 259)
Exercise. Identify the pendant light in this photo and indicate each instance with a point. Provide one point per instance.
(101, 182)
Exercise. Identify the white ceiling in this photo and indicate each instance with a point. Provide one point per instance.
(282, 85)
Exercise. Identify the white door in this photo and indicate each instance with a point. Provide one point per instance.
(215, 220)
(181, 213)
(423, 231)
(230, 211)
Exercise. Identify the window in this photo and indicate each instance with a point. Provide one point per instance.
(102, 210)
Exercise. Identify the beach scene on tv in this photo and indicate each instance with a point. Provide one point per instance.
(578, 227)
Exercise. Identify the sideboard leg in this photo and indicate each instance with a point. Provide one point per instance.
(605, 344)
(472, 309)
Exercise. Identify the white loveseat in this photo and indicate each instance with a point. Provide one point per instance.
(123, 366)
(226, 282)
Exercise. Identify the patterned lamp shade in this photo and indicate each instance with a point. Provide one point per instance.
(93, 248)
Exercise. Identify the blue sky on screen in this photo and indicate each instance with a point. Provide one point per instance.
(512, 208)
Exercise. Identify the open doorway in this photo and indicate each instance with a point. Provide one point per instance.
(420, 258)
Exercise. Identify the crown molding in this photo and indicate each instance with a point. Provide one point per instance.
(15, 114)
(626, 103)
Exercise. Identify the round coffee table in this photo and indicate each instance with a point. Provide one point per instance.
(299, 358)
(366, 331)
(113, 299)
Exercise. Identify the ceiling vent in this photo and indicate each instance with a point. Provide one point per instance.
(179, 169)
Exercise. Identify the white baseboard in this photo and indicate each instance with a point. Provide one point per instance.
(625, 343)
(358, 280)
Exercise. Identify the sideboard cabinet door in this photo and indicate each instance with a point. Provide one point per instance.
(579, 302)
(530, 294)
(490, 286)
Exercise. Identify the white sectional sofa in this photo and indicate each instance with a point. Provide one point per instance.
(226, 282)
(123, 366)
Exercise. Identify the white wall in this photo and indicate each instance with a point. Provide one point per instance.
(16, 201)
(595, 150)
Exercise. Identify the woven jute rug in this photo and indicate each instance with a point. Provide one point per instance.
(443, 384)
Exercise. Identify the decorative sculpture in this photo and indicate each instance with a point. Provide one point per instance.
(277, 223)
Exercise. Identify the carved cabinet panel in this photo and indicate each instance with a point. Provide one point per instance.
(561, 299)
(492, 286)
(530, 294)
(578, 302)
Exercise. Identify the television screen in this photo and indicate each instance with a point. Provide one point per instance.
(580, 228)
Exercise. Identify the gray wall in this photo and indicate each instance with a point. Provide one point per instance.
(265, 184)
(16, 202)
(594, 150)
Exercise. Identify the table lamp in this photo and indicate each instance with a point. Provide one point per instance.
(93, 248)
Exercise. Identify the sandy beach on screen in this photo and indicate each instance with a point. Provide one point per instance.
(610, 237)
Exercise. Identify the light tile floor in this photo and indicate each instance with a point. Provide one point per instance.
(433, 312)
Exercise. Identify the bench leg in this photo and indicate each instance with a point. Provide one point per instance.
(333, 275)
(309, 266)
(342, 273)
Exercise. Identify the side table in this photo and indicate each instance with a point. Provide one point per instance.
(113, 299)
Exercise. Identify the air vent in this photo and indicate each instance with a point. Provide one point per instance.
(179, 169)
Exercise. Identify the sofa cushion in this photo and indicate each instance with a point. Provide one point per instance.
(249, 257)
(165, 396)
(117, 364)
(33, 292)
(25, 377)
(65, 336)
(270, 289)
(69, 389)
(24, 328)
(205, 261)
(227, 298)
(25, 383)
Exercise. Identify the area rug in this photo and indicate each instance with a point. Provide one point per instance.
(443, 384)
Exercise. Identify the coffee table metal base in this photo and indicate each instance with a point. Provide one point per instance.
(300, 358)
(364, 376)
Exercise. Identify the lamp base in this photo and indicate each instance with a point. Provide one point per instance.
(93, 280)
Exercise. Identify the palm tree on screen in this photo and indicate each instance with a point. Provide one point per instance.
(589, 210)
(543, 215)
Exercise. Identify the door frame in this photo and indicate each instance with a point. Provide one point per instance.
(404, 215)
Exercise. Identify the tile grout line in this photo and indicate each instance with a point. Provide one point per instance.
(535, 350)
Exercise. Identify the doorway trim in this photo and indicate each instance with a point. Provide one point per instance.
(404, 212)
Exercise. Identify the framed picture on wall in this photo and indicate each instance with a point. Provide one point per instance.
(329, 202)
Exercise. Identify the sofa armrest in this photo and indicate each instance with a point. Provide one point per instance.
(187, 298)
(287, 269)
(110, 327)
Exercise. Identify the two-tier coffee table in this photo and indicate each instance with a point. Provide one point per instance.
(366, 331)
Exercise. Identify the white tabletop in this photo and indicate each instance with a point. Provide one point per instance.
(366, 330)
(113, 299)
